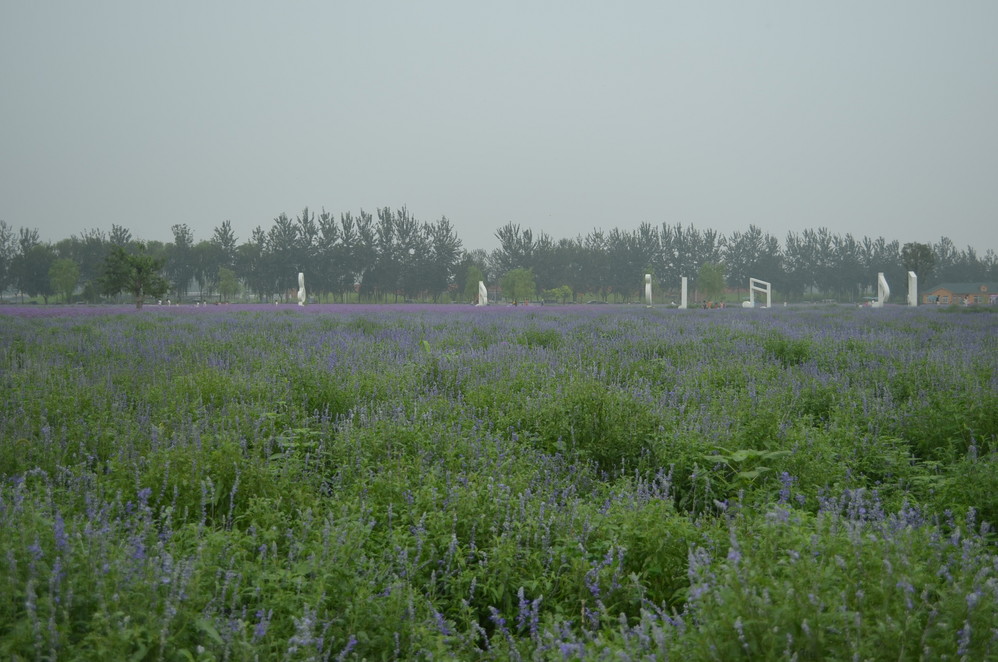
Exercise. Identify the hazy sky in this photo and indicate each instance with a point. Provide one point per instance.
(869, 117)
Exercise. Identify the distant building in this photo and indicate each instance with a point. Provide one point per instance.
(956, 293)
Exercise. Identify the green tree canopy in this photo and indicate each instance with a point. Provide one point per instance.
(920, 259)
(228, 284)
(710, 280)
(31, 269)
(64, 274)
(518, 285)
(138, 274)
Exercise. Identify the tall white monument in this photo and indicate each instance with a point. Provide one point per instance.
(648, 289)
(682, 294)
(912, 288)
(762, 287)
(301, 289)
(883, 291)
(483, 294)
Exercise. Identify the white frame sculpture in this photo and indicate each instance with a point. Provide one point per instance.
(483, 294)
(648, 290)
(761, 286)
(912, 288)
(883, 291)
(301, 289)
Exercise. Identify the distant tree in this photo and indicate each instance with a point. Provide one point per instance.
(307, 249)
(283, 257)
(740, 253)
(991, 265)
(228, 284)
(518, 285)
(970, 267)
(626, 262)
(710, 280)
(31, 265)
(207, 260)
(366, 254)
(64, 274)
(180, 263)
(947, 258)
(685, 250)
(920, 259)
(561, 293)
(8, 250)
(516, 248)
(847, 258)
(880, 255)
(119, 236)
(444, 253)
(338, 254)
(544, 261)
(797, 272)
(823, 249)
(569, 258)
(595, 258)
(88, 251)
(139, 274)
(752, 254)
(224, 240)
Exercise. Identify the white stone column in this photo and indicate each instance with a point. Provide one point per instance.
(301, 289)
(648, 289)
(912, 288)
(682, 297)
(883, 291)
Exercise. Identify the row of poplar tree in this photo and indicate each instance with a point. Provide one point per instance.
(392, 256)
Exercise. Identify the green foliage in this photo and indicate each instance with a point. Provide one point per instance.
(710, 280)
(228, 284)
(274, 485)
(518, 285)
(64, 275)
(546, 338)
(562, 294)
(137, 273)
(599, 423)
(788, 351)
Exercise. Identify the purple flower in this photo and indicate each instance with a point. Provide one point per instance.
(441, 624)
(964, 639)
(351, 644)
(61, 540)
(786, 480)
(36, 550)
(262, 623)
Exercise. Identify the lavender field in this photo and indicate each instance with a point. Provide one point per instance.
(560, 483)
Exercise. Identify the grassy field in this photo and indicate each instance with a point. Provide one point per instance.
(418, 482)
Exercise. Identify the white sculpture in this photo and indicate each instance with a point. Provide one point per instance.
(912, 288)
(648, 289)
(483, 294)
(301, 289)
(682, 296)
(761, 286)
(883, 291)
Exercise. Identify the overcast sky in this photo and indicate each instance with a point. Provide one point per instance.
(871, 118)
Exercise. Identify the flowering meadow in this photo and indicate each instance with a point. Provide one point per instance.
(533, 483)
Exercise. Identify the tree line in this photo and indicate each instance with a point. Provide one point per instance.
(392, 256)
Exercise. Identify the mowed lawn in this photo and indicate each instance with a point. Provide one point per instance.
(450, 482)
